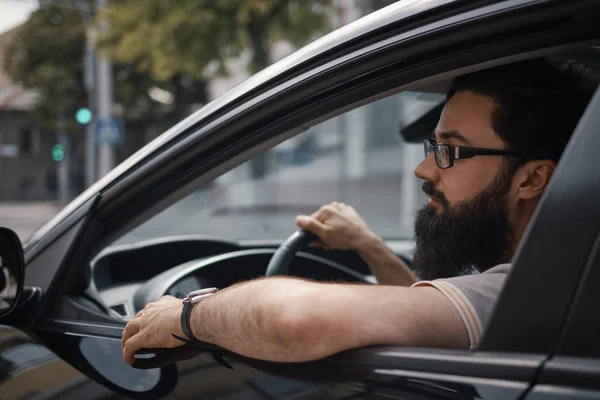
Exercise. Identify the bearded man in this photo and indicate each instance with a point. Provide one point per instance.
(490, 158)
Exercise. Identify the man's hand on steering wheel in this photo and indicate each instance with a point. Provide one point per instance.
(338, 226)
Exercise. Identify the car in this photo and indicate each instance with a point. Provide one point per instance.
(207, 203)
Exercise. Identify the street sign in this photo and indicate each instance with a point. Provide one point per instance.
(109, 131)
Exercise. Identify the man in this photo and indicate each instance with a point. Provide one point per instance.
(492, 154)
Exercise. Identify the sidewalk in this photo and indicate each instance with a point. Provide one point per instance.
(25, 218)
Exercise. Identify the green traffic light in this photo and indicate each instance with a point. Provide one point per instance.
(83, 116)
(58, 152)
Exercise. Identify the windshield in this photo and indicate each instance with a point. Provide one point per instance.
(359, 158)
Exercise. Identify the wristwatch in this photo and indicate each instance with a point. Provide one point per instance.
(189, 301)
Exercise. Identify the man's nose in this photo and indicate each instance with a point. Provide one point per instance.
(428, 169)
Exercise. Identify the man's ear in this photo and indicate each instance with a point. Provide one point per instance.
(533, 178)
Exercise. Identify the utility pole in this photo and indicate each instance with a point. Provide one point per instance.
(63, 169)
(90, 132)
(106, 155)
(89, 82)
(104, 91)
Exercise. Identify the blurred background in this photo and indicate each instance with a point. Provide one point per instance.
(86, 83)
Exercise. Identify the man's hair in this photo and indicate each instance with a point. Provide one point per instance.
(539, 103)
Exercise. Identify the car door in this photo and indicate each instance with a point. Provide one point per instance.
(68, 320)
(29, 369)
(573, 370)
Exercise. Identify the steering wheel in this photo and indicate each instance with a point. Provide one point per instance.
(281, 260)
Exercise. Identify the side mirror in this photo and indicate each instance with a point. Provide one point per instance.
(12, 270)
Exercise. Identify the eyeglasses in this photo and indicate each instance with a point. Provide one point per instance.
(445, 154)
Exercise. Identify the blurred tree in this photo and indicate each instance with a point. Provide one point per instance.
(184, 38)
(193, 39)
(164, 52)
(47, 55)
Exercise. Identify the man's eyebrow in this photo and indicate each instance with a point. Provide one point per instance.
(453, 135)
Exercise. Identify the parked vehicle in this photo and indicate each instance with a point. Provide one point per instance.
(149, 227)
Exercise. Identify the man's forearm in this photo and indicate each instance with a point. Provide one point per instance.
(292, 320)
(257, 318)
(385, 265)
(280, 319)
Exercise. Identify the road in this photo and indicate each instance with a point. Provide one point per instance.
(25, 218)
(258, 210)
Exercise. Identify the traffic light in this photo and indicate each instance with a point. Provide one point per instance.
(58, 152)
(84, 115)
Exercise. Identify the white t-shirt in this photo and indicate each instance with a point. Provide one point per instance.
(474, 297)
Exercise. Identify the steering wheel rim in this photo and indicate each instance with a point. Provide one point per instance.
(281, 260)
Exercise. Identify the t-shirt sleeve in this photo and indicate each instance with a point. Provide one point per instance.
(474, 297)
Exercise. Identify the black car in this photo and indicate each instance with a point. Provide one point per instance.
(210, 201)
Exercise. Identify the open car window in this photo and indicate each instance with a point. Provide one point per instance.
(360, 158)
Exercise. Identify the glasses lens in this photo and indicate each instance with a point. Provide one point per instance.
(428, 147)
(442, 156)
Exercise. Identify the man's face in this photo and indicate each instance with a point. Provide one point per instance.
(465, 223)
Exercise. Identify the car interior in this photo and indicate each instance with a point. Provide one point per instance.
(125, 276)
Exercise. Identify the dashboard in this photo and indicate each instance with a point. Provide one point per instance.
(127, 277)
(181, 288)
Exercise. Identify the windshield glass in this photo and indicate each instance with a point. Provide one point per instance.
(359, 158)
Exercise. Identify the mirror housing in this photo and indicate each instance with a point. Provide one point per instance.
(12, 271)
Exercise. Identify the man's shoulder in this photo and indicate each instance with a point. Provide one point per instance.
(494, 276)
(499, 269)
(473, 296)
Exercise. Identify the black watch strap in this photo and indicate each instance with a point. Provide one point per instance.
(192, 298)
(186, 313)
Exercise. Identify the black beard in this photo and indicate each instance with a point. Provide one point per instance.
(471, 236)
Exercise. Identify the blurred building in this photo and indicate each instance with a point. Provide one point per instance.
(26, 166)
